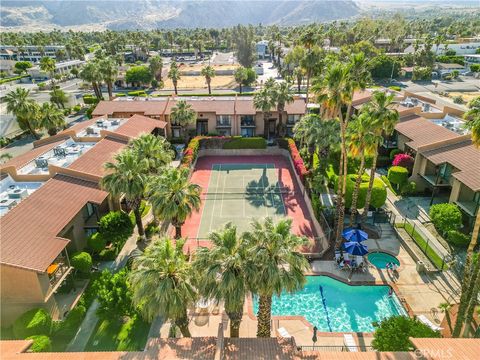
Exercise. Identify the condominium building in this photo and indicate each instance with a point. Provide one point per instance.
(30, 53)
(50, 202)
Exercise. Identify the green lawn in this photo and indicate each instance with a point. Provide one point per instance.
(422, 243)
(117, 335)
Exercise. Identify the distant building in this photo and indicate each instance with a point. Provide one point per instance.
(29, 53)
(444, 69)
(262, 49)
(471, 59)
(459, 48)
(60, 68)
(7, 66)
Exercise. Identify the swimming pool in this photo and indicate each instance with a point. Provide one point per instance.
(333, 306)
(381, 259)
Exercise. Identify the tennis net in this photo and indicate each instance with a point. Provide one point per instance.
(245, 193)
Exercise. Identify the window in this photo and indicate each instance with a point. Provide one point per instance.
(247, 131)
(224, 120)
(292, 119)
(247, 120)
(90, 231)
(90, 209)
(176, 132)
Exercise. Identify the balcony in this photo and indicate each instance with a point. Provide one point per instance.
(58, 271)
(247, 121)
(469, 207)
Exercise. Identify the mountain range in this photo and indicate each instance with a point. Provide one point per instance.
(44, 15)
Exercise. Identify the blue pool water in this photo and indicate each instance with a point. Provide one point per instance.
(381, 259)
(333, 306)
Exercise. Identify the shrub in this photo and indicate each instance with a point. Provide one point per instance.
(82, 262)
(77, 108)
(68, 327)
(298, 164)
(136, 93)
(445, 217)
(394, 152)
(246, 143)
(395, 88)
(458, 99)
(108, 254)
(96, 242)
(89, 99)
(116, 227)
(379, 193)
(41, 343)
(113, 294)
(151, 229)
(397, 175)
(408, 188)
(33, 322)
(393, 334)
(457, 238)
(404, 160)
(191, 152)
(120, 95)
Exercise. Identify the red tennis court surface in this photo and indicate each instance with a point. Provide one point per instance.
(295, 206)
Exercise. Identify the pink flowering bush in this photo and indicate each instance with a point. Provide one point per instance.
(298, 163)
(403, 160)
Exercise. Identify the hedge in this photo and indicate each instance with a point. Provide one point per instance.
(82, 261)
(298, 164)
(398, 175)
(191, 152)
(41, 343)
(89, 99)
(136, 93)
(14, 78)
(445, 217)
(457, 238)
(96, 242)
(246, 143)
(33, 322)
(379, 193)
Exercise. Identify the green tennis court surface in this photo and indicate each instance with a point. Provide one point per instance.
(238, 193)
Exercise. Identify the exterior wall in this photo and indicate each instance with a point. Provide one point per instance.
(22, 290)
(419, 168)
(401, 140)
(456, 190)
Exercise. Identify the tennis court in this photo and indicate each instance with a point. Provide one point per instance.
(240, 192)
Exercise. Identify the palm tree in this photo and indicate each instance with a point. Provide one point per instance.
(173, 197)
(473, 120)
(209, 73)
(222, 270)
(47, 65)
(155, 149)
(385, 118)
(51, 118)
(445, 308)
(240, 76)
(362, 141)
(23, 108)
(281, 96)
(155, 64)
(263, 101)
(275, 265)
(174, 75)
(311, 62)
(316, 134)
(182, 115)
(127, 176)
(91, 73)
(109, 72)
(59, 98)
(161, 280)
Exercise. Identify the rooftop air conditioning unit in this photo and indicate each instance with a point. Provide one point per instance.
(426, 107)
(7, 203)
(17, 194)
(90, 131)
(99, 123)
(41, 163)
(115, 122)
(59, 151)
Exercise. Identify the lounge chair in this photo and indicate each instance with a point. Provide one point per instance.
(423, 319)
(283, 332)
(350, 343)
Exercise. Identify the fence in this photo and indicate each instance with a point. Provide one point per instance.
(438, 257)
(333, 348)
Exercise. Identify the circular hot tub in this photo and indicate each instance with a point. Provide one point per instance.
(381, 259)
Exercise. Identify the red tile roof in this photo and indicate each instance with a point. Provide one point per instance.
(30, 230)
(422, 131)
(148, 108)
(259, 349)
(464, 156)
(220, 106)
(138, 124)
(21, 160)
(447, 348)
(93, 160)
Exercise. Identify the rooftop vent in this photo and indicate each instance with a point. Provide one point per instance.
(41, 163)
(17, 194)
(7, 203)
(59, 151)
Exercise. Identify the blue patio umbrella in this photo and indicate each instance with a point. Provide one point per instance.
(354, 234)
(355, 248)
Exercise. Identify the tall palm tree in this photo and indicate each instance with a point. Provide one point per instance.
(182, 115)
(311, 63)
(161, 280)
(445, 308)
(109, 71)
(128, 176)
(155, 63)
(174, 75)
(275, 265)
(90, 72)
(23, 108)
(240, 76)
(155, 149)
(281, 96)
(316, 134)
(385, 118)
(47, 65)
(59, 97)
(263, 101)
(173, 197)
(222, 270)
(473, 120)
(362, 141)
(51, 118)
(208, 72)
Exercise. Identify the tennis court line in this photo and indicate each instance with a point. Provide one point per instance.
(203, 209)
(263, 184)
(215, 199)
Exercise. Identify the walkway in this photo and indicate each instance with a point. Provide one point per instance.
(86, 329)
